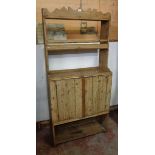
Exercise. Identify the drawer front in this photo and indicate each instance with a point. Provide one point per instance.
(77, 98)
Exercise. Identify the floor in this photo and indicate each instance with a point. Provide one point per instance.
(99, 144)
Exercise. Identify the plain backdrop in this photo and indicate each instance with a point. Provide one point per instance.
(136, 78)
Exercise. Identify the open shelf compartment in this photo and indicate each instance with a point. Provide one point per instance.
(78, 129)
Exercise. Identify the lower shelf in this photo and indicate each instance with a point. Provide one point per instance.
(79, 129)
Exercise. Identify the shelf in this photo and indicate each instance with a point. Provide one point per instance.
(77, 73)
(60, 47)
(76, 37)
(79, 129)
(79, 40)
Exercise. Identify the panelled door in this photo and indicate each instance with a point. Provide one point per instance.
(77, 98)
(66, 99)
(95, 95)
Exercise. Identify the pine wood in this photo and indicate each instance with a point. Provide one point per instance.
(61, 102)
(78, 73)
(101, 5)
(78, 94)
(71, 99)
(95, 94)
(108, 92)
(78, 97)
(77, 119)
(70, 14)
(102, 93)
(62, 47)
(77, 130)
(103, 59)
(88, 97)
(54, 105)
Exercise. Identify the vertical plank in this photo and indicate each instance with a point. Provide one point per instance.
(78, 97)
(95, 95)
(88, 96)
(54, 109)
(103, 58)
(102, 93)
(104, 30)
(60, 96)
(83, 97)
(65, 99)
(70, 96)
(108, 92)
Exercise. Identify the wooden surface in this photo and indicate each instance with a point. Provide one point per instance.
(45, 123)
(102, 93)
(69, 13)
(103, 58)
(62, 47)
(108, 92)
(78, 98)
(54, 101)
(77, 130)
(101, 5)
(68, 102)
(67, 97)
(77, 73)
(88, 97)
(77, 94)
(82, 118)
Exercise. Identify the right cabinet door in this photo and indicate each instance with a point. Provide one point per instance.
(97, 94)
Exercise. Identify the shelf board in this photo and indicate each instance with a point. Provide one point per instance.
(78, 40)
(60, 47)
(77, 73)
(77, 130)
(76, 37)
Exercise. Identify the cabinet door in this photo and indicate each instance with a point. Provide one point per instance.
(95, 95)
(66, 99)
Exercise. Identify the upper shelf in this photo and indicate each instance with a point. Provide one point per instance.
(70, 14)
(60, 46)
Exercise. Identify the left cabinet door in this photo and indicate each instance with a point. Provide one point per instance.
(66, 99)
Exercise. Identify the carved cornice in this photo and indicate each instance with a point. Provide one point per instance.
(69, 13)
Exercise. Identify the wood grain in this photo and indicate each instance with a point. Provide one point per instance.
(77, 130)
(108, 92)
(62, 47)
(95, 91)
(78, 73)
(70, 97)
(70, 14)
(78, 97)
(54, 102)
(61, 104)
(89, 96)
(101, 5)
(103, 59)
(102, 93)
(77, 94)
